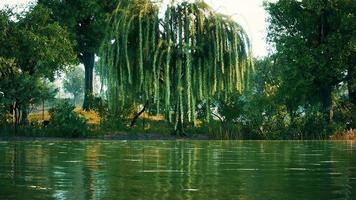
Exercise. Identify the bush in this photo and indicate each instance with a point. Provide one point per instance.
(2, 115)
(100, 106)
(345, 115)
(115, 120)
(66, 122)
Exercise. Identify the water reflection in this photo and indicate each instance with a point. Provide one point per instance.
(177, 170)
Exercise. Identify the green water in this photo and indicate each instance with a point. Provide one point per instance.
(177, 170)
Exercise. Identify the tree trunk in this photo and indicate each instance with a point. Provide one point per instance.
(352, 83)
(352, 93)
(325, 90)
(24, 115)
(15, 116)
(326, 101)
(180, 126)
(133, 122)
(88, 60)
(43, 105)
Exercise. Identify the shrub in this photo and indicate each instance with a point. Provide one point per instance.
(2, 115)
(345, 114)
(66, 122)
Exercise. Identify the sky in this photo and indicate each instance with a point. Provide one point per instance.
(249, 13)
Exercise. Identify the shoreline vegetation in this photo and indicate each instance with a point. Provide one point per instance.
(111, 137)
(181, 70)
(133, 134)
(348, 136)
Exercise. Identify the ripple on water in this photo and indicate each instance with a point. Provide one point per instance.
(329, 161)
(191, 189)
(241, 169)
(335, 173)
(161, 171)
(39, 187)
(59, 173)
(133, 160)
(316, 164)
(311, 154)
(296, 169)
(73, 161)
(117, 169)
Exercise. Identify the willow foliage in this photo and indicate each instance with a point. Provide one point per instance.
(176, 61)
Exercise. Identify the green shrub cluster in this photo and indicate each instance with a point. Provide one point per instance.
(66, 122)
(3, 117)
(254, 116)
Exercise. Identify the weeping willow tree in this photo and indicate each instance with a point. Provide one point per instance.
(175, 61)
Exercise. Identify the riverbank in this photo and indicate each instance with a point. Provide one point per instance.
(349, 136)
(155, 127)
(118, 136)
(147, 128)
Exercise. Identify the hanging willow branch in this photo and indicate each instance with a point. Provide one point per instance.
(179, 60)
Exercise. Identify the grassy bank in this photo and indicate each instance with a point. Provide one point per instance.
(147, 127)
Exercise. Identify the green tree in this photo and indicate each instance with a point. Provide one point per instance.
(7, 69)
(19, 90)
(315, 43)
(174, 62)
(73, 83)
(38, 48)
(85, 21)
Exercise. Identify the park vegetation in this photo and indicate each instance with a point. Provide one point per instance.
(180, 69)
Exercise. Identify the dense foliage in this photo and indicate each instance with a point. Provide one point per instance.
(315, 44)
(175, 62)
(33, 49)
(86, 21)
(181, 68)
(66, 122)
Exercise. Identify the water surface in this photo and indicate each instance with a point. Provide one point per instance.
(177, 170)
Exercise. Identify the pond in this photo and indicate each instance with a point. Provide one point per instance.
(178, 170)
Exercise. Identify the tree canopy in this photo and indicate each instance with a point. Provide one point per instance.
(85, 21)
(315, 43)
(175, 62)
(34, 49)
